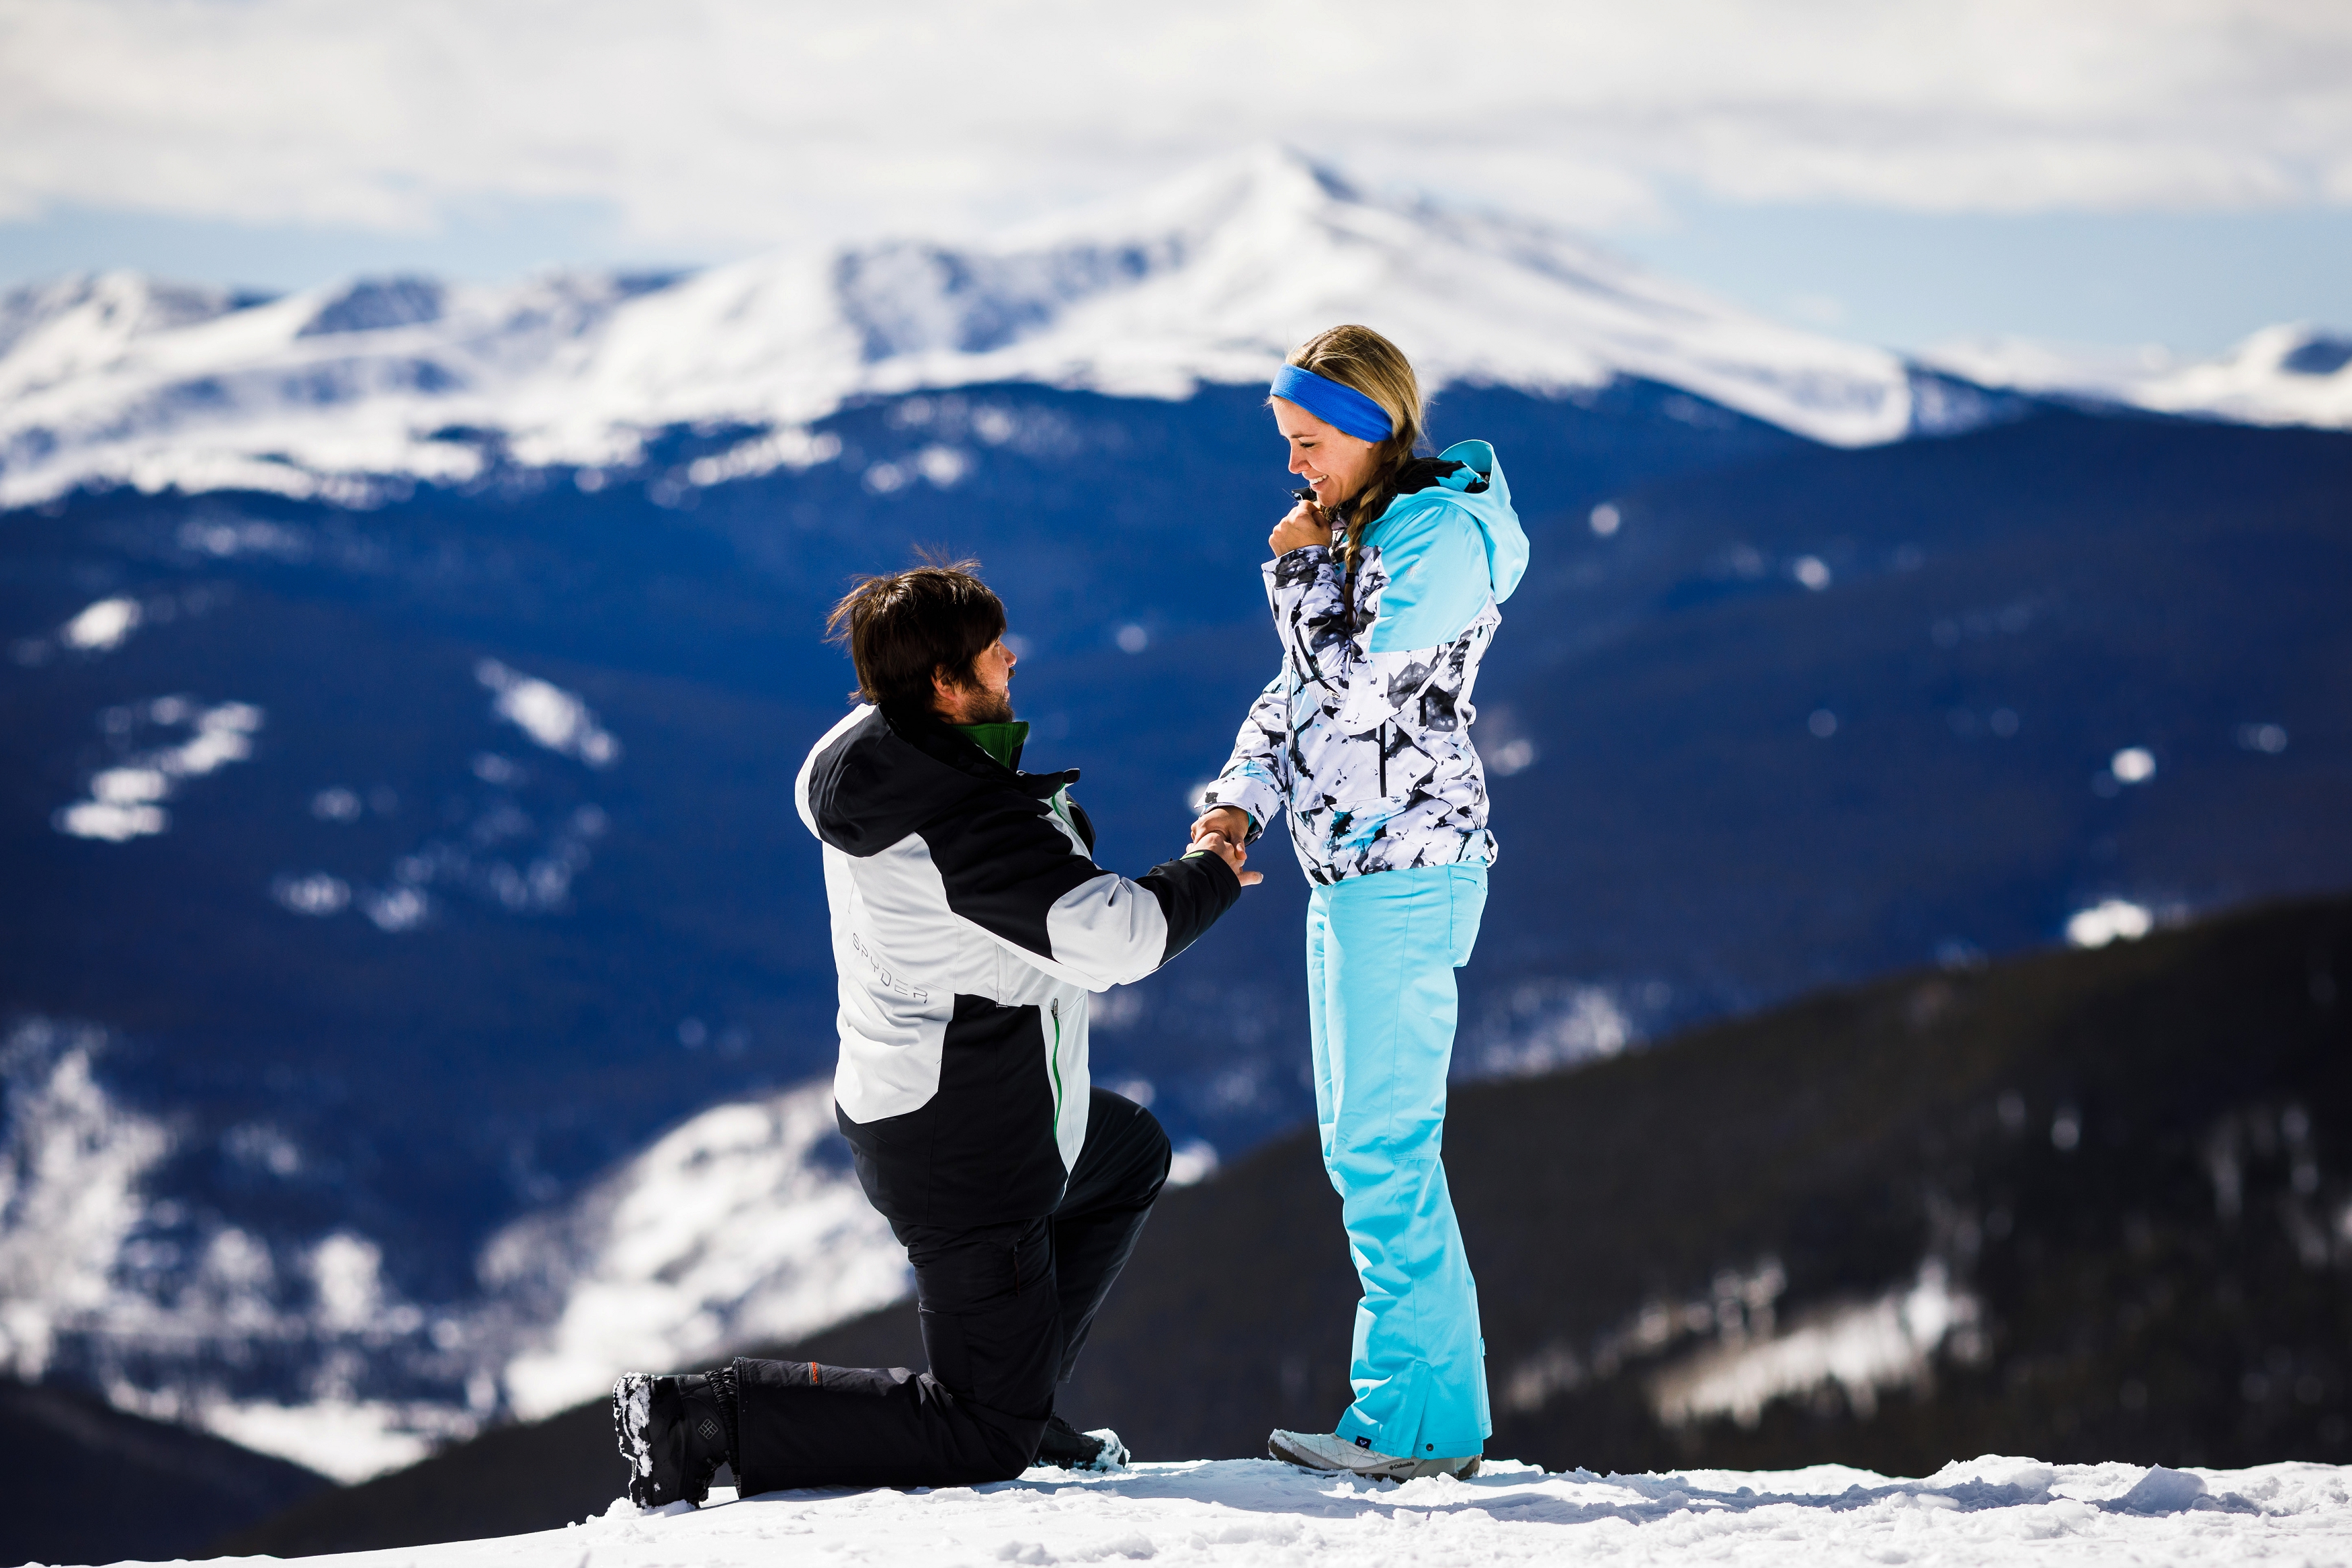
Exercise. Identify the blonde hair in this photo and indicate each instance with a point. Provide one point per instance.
(1360, 358)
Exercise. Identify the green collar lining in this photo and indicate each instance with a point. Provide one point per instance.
(1001, 741)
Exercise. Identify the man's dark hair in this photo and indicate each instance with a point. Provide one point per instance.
(901, 627)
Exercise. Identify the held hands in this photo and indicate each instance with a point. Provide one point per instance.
(1228, 850)
(1230, 820)
(1307, 524)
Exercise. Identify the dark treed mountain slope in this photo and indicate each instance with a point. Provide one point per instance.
(2136, 1162)
(2107, 1195)
(73, 1461)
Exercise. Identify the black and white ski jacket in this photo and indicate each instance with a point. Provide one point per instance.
(970, 922)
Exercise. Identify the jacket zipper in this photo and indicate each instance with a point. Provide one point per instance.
(1056, 1011)
(1383, 741)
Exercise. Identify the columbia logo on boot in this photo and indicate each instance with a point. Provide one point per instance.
(709, 1430)
(1363, 1442)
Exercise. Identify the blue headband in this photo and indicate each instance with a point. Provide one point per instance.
(1342, 407)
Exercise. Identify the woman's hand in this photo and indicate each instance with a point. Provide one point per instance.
(1230, 851)
(1230, 820)
(1307, 524)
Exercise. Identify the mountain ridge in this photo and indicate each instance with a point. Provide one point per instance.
(1204, 280)
(352, 390)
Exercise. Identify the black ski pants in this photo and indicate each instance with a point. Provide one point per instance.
(1004, 1310)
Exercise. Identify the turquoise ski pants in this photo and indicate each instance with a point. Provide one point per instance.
(1380, 955)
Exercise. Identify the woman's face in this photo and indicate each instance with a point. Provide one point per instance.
(1332, 461)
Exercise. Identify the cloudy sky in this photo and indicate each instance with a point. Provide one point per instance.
(2112, 170)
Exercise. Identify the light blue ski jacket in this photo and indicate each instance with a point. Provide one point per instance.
(1365, 733)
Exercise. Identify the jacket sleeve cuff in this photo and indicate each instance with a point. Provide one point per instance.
(1193, 890)
(1294, 574)
(1246, 792)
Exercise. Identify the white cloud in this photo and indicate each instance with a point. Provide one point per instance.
(729, 124)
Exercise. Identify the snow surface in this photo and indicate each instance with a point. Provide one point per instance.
(1987, 1510)
(125, 797)
(69, 1175)
(337, 392)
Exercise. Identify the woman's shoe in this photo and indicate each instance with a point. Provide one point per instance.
(1330, 1453)
(673, 1432)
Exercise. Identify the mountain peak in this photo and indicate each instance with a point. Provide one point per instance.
(368, 305)
(1207, 277)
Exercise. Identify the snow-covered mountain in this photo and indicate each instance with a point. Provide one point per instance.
(741, 1226)
(744, 1225)
(1207, 279)
(337, 392)
(2296, 373)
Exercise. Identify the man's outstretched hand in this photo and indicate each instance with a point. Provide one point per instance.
(1228, 851)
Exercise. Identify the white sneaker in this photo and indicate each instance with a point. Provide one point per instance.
(1330, 1453)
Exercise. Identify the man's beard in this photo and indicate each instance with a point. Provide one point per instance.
(985, 706)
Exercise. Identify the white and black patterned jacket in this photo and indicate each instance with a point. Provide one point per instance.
(1365, 733)
(970, 922)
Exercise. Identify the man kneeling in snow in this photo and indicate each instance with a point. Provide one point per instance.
(969, 923)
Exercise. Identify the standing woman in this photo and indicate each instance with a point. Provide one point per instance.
(1384, 587)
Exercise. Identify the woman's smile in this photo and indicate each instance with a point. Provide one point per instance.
(1333, 463)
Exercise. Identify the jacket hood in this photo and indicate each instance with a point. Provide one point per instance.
(895, 768)
(1489, 505)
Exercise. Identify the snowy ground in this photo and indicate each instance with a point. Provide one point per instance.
(1988, 1510)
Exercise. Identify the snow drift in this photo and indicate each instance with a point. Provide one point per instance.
(1987, 1510)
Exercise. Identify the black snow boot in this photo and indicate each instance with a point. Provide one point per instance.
(674, 1433)
(1067, 1448)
